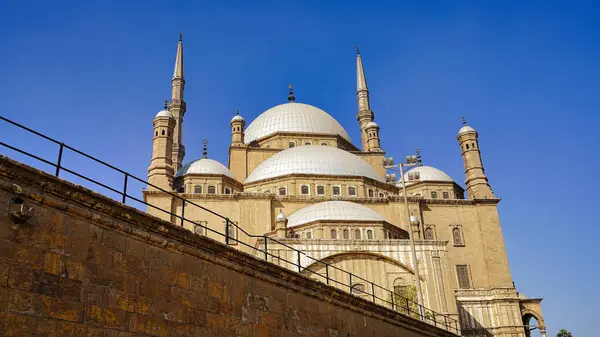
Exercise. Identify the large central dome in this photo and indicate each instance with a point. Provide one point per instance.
(293, 117)
(314, 159)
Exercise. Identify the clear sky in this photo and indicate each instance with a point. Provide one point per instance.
(525, 75)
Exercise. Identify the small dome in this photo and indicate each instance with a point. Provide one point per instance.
(280, 216)
(372, 124)
(293, 117)
(164, 113)
(426, 173)
(333, 211)
(237, 118)
(204, 166)
(465, 129)
(314, 159)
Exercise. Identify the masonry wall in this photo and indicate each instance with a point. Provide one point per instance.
(84, 265)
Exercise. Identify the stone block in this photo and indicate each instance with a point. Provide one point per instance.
(54, 264)
(66, 311)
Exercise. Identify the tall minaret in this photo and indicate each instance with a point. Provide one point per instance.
(365, 115)
(476, 181)
(177, 106)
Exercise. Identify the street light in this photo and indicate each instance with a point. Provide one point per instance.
(413, 160)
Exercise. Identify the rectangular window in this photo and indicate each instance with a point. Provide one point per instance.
(462, 272)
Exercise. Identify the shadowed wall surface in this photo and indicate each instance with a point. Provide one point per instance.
(85, 265)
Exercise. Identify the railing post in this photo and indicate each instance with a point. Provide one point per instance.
(125, 188)
(327, 273)
(393, 295)
(226, 231)
(350, 281)
(299, 265)
(266, 254)
(182, 211)
(373, 290)
(446, 322)
(407, 306)
(60, 152)
(456, 326)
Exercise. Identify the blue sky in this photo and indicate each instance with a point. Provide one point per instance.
(525, 74)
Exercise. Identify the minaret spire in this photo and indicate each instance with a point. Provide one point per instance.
(177, 106)
(178, 72)
(365, 115)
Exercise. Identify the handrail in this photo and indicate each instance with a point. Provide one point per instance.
(422, 313)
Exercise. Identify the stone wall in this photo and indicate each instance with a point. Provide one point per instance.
(85, 265)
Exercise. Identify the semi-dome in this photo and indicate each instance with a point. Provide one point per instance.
(425, 173)
(372, 125)
(293, 117)
(164, 113)
(204, 166)
(314, 159)
(333, 211)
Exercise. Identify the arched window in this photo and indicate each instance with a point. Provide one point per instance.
(428, 234)
(291, 144)
(156, 134)
(357, 234)
(457, 236)
(169, 133)
(304, 190)
(351, 191)
(308, 235)
(324, 144)
(307, 143)
(212, 190)
(227, 190)
(197, 189)
(333, 234)
(370, 234)
(346, 234)
(358, 289)
(390, 235)
(282, 191)
(336, 190)
(433, 195)
(472, 145)
(467, 146)
(381, 195)
(445, 195)
(163, 132)
(320, 190)
(370, 193)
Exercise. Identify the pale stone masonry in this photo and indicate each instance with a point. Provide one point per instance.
(295, 155)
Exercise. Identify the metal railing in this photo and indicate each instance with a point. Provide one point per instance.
(372, 291)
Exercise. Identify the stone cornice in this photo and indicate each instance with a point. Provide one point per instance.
(40, 188)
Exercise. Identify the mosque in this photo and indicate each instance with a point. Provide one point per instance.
(295, 175)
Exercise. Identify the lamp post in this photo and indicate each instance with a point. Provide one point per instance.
(413, 160)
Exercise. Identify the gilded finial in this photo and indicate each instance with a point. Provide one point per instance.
(204, 150)
(357, 50)
(291, 96)
(419, 161)
(237, 112)
(464, 121)
(180, 36)
(166, 106)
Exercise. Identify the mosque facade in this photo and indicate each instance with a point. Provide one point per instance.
(295, 175)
